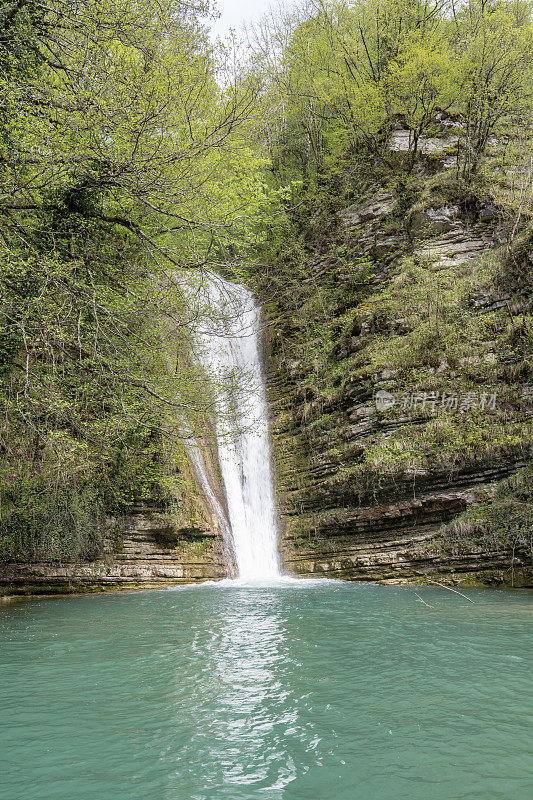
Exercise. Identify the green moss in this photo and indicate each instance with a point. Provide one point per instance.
(117, 540)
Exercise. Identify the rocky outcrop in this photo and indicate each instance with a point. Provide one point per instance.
(341, 517)
(147, 548)
(389, 532)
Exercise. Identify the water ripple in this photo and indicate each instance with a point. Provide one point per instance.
(284, 691)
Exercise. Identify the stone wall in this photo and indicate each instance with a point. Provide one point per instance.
(390, 534)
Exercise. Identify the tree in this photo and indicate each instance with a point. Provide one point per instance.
(344, 72)
(493, 43)
(123, 162)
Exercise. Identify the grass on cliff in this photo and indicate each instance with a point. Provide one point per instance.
(421, 325)
(504, 519)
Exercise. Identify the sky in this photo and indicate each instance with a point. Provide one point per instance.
(234, 13)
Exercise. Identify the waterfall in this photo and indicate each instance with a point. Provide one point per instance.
(229, 350)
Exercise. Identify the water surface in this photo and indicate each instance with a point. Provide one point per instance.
(306, 690)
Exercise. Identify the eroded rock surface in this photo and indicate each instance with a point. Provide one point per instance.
(335, 521)
(148, 548)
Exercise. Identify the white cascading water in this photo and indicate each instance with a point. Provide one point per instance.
(230, 351)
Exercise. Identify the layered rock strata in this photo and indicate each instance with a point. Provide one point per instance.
(335, 521)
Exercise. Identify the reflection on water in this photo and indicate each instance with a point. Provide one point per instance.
(293, 691)
(249, 721)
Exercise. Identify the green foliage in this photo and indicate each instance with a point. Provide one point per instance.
(125, 163)
(49, 522)
(311, 296)
(347, 72)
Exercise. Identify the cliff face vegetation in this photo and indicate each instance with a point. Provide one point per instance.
(399, 290)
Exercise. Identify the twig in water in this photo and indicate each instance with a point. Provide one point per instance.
(423, 601)
(443, 585)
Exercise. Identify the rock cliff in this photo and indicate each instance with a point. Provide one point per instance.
(400, 381)
(149, 547)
